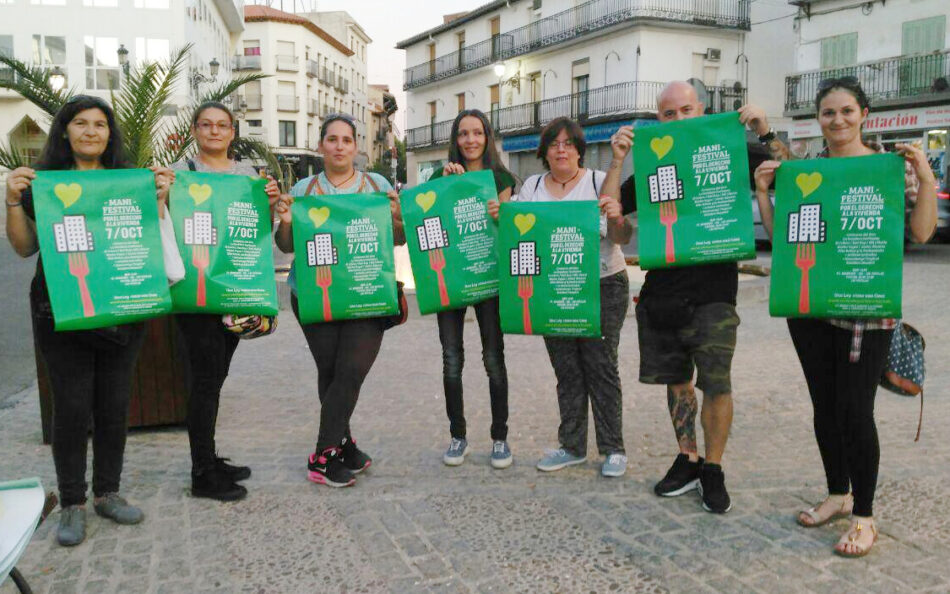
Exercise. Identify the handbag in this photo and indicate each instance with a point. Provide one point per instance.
(905, 370)
(398, 319)
(248, 327)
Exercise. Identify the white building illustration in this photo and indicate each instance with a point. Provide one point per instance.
(431, 234)
(71, 235)
(806, 226)
(199, 230)
(320, 251)
(524, 262)
(664, 185)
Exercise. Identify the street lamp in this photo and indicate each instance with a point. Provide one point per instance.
(197, 78)
(499, 69)
(57, 78)
(123, 58)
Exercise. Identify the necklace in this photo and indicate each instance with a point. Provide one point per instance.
(564, 184)
(342, 183)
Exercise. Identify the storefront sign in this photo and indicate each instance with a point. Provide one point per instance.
(884, 121)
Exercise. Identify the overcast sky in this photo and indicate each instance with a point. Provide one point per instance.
(390, 21)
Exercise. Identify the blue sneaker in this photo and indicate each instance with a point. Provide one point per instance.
(614, 465)
(500, 454)
(455, 455)
(558, 459)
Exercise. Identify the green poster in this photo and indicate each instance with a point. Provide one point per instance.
(693, 200)
(838, 238)
(222, 224)
(344, 263)
(452, 240)
(101, 247)
(549, 268)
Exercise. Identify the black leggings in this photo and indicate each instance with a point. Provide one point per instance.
(451, 331)
(344, 352)
(842, 394)
(210, 348)
(88, 377)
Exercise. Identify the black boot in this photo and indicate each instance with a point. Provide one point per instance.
(237, 473)
(213, 483)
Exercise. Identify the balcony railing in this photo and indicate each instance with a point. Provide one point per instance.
(896, 81)
(246, 63)
(254, 102)
(342, 84)
(586, 18)
(324, 76)
(610, 102)
(312, 107)
(313, 70)
(288, 103)
(287, 63)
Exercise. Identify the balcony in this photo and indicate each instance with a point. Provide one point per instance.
(324, 76)
(288, 103)
(312, 107)
(313, 70)
(254, 102)
(891, 82)
(246, 63)
(601, 104)
(342, 84)
(287, 63)
(589, 17)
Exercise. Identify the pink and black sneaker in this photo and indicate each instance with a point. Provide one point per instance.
(354, 459)
(327, 469)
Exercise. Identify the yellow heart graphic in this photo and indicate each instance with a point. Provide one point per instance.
(68, 194)
(808, 183)
(199, 193)
(524, 222)
(426, 200)
(319, 216)
(661, 146)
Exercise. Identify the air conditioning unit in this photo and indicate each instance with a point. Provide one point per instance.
(713, 54)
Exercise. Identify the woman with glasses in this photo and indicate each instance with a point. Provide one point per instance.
(843, 358)
(472, 148)
(586, 368)
(90, 371)
(209, 344)
(345, 350)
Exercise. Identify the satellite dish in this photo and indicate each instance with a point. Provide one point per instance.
(701, 93)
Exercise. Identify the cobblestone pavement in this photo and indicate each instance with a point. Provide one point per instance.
(413, 525)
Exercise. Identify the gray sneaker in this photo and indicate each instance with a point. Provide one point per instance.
(614, 465)
(558, 459)
(455, 455)
(117, 509)
(72, 526)
(500, 454)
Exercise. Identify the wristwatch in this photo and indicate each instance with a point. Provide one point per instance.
(768, 136)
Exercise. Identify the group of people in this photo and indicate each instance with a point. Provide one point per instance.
(686, 322)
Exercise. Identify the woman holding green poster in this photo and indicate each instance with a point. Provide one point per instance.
(90, 371)
(472, 148)
(843, 358)
(209, 344)
(586, 368)
(343, 350)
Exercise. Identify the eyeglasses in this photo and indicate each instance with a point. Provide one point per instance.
(338, 116)
(207, 126)
(559, 144)
(847, 82)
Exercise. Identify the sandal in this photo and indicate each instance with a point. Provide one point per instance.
(852, 537)
(814, 519)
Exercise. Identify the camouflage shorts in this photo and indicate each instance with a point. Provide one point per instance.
(707, 343)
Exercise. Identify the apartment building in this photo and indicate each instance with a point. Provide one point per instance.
(602, 62)
(377, 126)
(900, 52)
(86, 41)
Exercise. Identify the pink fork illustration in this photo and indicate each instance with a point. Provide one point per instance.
(667, 218)
(804, 261)
(200, 257)
(324, 280)
(525, 291)
(437, 262)
(79, 268)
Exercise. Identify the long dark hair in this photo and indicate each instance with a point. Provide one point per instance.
(58, 153)
(490, 158)
(214, 105)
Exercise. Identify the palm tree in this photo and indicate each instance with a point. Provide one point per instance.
(141, 104)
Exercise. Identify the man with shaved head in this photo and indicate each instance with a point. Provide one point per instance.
(686, 320)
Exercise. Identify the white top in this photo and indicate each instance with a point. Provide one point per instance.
(534, 190)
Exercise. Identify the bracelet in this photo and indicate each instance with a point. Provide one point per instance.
(767, 137)
(13, 204)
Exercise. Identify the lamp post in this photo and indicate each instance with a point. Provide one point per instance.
(57, 78)
(197, 77)
(123, 58)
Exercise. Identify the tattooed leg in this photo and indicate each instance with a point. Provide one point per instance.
(681, 400)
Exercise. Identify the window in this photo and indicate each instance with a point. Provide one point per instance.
(6, 49)
(840, 50)
(924, 35)
(155, 4)
(101, 3)
(493, 102)
(151, 50)
(255, 123)
(102, 62)
(461, 101)
(288, 133)
(49, 50)
(49, 2)
(252, 47)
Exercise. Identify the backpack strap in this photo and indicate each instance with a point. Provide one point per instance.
(372, 182)
(315, 182)
(191, 165)
(537, 184)
(593, 180)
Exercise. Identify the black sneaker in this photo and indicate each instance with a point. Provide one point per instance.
(327, 469)
(354, 459)
(213, 483)
(237, 473)
(712, 486)
(681, 478)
